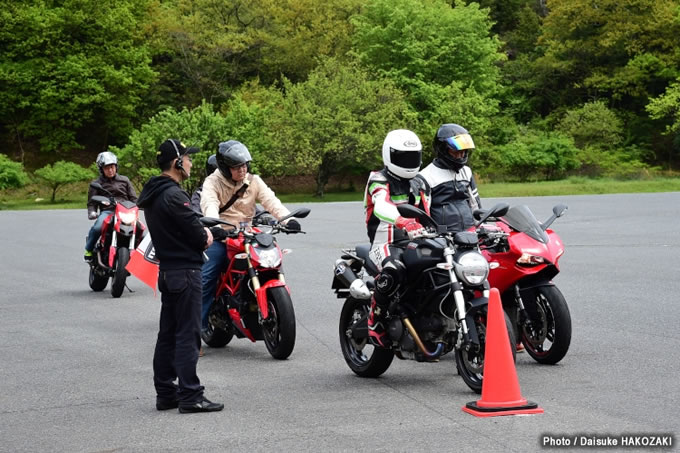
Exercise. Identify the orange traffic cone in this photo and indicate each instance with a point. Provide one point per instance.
(500, 387)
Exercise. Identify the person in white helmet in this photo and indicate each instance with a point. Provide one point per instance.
(395, 184)
(117, 185)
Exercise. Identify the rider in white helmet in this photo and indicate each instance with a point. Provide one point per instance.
(395, 184)
(121, 189)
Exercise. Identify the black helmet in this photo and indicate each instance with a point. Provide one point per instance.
(456, 138)
(231, 154)
(210, 165)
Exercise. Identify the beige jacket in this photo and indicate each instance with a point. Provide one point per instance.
(217, 191)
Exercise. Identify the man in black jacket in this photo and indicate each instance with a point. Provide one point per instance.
(179, 240)
(454, 190)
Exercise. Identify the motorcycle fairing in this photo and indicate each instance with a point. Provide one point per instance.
(237, 321)
(522, 219)
(261, 294)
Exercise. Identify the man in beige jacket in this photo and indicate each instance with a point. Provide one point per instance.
(231, 194)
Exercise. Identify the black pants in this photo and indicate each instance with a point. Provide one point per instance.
(179, 336)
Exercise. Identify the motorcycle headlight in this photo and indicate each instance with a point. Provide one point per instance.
(127, 217)
(269, 258)
(472, 268)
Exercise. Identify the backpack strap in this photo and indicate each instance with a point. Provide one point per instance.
(237, 194)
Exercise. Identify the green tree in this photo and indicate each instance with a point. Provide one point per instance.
(337, 120)
(593, 124)
(12, 173)
(201, 127)
(206, 49)
(72, 71)
(623, 51)
(420, 44)
(62, 173)
(537, 155)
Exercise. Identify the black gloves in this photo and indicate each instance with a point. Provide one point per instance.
(219, 233)
(293, 225)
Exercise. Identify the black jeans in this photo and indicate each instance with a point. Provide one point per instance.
(179, 336)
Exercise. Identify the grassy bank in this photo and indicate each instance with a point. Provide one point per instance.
(74, 197)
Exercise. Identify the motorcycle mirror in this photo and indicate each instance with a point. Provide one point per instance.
(96, 185)
(301, 213)
(411, 212)
(558, 211)
(212, 221)
(497, 210)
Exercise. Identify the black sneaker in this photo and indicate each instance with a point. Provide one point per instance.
(164, 405)
(202, 406)
(88, 256)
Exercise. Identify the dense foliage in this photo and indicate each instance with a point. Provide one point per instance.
(62, 173)
(548, 88)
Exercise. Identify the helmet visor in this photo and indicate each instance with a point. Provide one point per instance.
(460, 142)
(405, 159)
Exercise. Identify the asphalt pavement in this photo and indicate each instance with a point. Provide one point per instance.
(76, 371)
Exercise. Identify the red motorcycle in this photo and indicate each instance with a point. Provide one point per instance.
(523, 256)
(112, 251)
(252, 299)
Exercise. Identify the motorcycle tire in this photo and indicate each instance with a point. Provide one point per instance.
(470, 364)
(365, 359)
(216, 337)
(97, 282)
(549, 340)
(279, 327)
(120, 273)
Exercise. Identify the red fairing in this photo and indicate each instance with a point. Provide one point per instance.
(240, 325)
(234, 247)
(508, 272)
(262, 296)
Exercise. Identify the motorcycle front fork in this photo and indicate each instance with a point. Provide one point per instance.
(521, 317)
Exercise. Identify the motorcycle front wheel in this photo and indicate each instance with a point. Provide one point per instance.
(470, 364)
(279, 327)
(365, 359)
(548, 335)
(97, 281)
(120, 273)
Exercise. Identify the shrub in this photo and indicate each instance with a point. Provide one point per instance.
(62, 173)
(12, 174)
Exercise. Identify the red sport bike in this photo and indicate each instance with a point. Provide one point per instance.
(523, 256)
(112, 251)
(252, 299)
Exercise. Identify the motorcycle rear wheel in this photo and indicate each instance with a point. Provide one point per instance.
(97, 282)
(279, 327)
(470, 364)
(365, 359)
(120, 273)
(549, 314)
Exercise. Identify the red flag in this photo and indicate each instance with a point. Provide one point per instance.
(143, 263)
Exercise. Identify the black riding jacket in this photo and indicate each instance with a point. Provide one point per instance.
(454, 195)
(176, 232)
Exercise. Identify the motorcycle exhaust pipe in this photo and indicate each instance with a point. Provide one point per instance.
(357, 287)
(430, 355)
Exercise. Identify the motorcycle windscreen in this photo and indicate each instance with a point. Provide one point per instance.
(521, 218)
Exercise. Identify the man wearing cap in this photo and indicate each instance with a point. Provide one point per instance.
(179, 240)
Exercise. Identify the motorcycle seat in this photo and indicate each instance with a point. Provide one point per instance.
(362, 252)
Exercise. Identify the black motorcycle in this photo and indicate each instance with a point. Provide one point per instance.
(441, 307)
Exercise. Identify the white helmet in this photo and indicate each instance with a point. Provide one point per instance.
(106, 158)
(402, 153)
